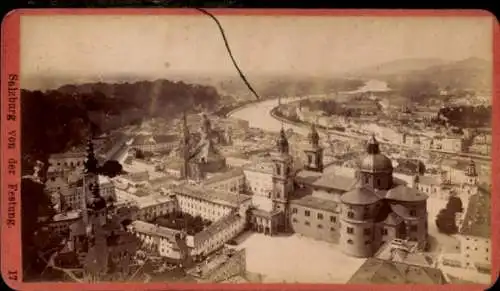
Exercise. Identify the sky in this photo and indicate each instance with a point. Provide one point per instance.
(162, 45)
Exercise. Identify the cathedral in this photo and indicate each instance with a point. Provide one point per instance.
(359, 213)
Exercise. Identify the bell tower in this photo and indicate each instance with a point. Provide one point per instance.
(282, 178)
(470, 186)
(313, 152)
(90, 177)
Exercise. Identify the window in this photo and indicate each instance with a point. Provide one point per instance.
(378, 182)
(367, 242)
(413, 212)
(382, 243)
(350, 214)
(278, 170)
(332, 229)
(367, 231)
(333, 219)
(320, 216)
(350, 230)
(307, 223)
(307, 213)
(384, 231)
(295, 220)
(294, 210)
(487, 250)
(349, 241)
(320, 226)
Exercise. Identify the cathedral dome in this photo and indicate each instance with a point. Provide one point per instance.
(374, 161)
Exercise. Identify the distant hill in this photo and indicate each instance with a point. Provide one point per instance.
(469, 74)
(473, 74)
(397, 67)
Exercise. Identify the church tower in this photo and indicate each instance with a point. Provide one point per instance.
(185, 148)
(94, 208)
(313, 152)
(471, 179)
(282, 178)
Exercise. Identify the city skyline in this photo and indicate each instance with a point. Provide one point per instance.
(97, 47)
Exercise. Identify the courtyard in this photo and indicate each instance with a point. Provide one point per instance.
(297, 259)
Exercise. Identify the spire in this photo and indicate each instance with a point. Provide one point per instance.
(314, 136)
(206, 127)
(282, 142)
(91, 163)
(373, 146)
(471, 169)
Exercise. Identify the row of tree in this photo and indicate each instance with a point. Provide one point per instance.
(57, 120)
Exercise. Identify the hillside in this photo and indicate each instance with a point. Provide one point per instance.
(401, 66)
(59, 119)
(470, 74)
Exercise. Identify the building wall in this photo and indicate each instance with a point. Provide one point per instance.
(207, 210)
(69, 161)
(234, 184)
(475, 250)
(152, 211)
(258, 183)
(204, 245)
(166, 247)
(235, 265)
(358, 230)
(315, 223)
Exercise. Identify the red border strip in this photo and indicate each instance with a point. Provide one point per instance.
(11, 247)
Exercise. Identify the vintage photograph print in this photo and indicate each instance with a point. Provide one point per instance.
(290, 148)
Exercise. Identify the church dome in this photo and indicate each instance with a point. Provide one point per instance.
(374, 161)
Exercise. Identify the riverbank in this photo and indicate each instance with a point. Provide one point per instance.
(273, 113)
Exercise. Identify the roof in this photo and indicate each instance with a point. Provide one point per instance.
(65, 216)
(224, 176)
(477, 220)
(376, 163)
(428, 180)
(211, 195)
(153, 230)
(143, 139)
(404, 193)
(393, 219)
(307, 177)
(377, 271)
(216, 227)
(335, 182)
(148, 201)
(259, 166)
(360, 196)
(264, 213)
(317, 203)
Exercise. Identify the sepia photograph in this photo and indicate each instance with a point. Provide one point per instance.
(228, 148)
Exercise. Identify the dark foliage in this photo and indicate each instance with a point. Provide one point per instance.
(179, 221)
(465, 116)
(57, 120)
(445, 220)
(34, 237)
(111, 168)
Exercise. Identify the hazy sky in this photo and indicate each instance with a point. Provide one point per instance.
(162, 45)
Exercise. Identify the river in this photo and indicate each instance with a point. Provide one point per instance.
(258, 114)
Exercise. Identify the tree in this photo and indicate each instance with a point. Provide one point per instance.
(445, 222)
(111, 168)
(454, 204)
(36, 204)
